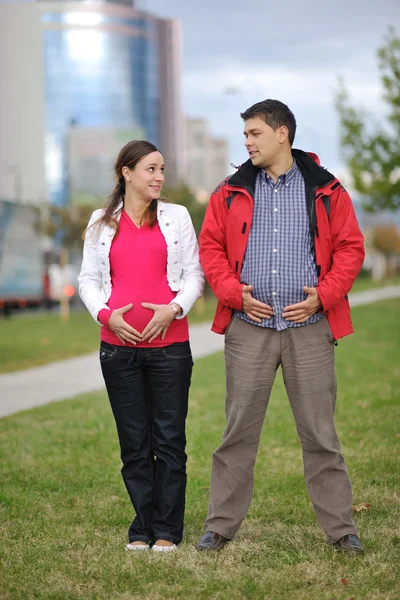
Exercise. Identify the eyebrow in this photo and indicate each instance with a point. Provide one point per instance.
(252, 131)
(155, 165)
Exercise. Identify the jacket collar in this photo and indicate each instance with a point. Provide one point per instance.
(314, 175)
(160, 206)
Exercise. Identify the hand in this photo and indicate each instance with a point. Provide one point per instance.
(255, 309)
(302, 311)
(163, 316)
(120, 327)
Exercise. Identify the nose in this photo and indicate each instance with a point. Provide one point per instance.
(160, 176)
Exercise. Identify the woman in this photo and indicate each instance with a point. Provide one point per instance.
(140, 277)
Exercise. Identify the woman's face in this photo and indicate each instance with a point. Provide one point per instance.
(147, 177)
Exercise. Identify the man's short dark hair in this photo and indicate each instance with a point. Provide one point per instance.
(275, 114)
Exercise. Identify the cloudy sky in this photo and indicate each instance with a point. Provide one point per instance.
(293, 51)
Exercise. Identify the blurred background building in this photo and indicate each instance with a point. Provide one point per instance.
(207, 158)
(80, 79)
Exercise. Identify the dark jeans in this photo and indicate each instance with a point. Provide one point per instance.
(148, 390)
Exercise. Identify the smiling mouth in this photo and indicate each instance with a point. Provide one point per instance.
(253, 153)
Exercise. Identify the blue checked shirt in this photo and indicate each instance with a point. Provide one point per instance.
(279, 261)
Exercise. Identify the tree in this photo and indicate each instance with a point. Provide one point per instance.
(372, 150)
(386, 239)
(182, 194)
(66, 224)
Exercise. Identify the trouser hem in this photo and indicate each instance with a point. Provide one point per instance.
(333, 541)
(219, 531)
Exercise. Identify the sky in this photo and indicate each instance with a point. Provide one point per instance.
(238, 53)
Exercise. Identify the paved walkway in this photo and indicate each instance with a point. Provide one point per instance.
(68, 378)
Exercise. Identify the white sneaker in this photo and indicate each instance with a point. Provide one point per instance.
(134, 547)
(164, 548)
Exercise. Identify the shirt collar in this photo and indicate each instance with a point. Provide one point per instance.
(285, 177)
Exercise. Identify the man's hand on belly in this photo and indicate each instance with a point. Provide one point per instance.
(253, 308)
(302, 311)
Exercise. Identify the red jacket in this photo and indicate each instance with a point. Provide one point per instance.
(338, 241)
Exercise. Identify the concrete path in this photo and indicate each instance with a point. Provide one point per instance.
(68, 378)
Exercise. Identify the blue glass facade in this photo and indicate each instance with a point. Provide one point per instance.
(97, 77)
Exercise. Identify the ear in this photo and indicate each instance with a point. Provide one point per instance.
(283, 134)
(126, 173)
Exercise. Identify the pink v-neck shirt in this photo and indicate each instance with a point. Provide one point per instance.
(138, 268)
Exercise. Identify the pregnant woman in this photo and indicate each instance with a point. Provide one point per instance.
(140, 277)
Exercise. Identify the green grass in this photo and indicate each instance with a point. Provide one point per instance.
(33, 340)
(363, 283)
(65, 512)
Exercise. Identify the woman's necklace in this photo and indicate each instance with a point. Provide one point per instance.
(137, 220)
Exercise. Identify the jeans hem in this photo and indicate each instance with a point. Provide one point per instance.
(167, 538)
(139, 538)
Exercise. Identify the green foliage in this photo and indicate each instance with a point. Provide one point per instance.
(386, 239)
(372, 150)
(66, 223)
(182, 194)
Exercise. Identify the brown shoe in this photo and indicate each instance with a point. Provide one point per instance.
(349, 544)
(211, 541)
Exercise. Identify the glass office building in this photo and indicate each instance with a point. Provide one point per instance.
(101, 71)
(84, 77)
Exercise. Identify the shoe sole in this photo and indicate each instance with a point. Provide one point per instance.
(139, 548)
(164, 548)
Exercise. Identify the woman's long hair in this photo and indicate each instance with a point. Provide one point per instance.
(129, 156)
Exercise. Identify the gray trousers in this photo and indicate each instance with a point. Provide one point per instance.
(252, 357)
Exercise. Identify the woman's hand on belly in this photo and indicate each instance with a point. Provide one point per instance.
(163, 316)
(120, 327)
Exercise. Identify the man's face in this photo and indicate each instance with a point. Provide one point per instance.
(263, 143)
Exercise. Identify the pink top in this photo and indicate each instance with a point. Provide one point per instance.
(138, 269)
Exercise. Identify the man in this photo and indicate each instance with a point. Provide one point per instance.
(281, 247)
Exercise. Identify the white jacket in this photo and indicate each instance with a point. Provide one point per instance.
(184, 273)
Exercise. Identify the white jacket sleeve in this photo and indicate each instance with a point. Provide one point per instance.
(89, 279)
(192, 273)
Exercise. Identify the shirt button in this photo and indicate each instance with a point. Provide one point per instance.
(275, 230)
(275, 250)
(274, 293)
(275, 210)
(275, 190)
(167, 224)
(287, 185)
(274, 270)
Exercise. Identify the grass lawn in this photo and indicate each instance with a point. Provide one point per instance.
(366, 283)
(64, 509)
